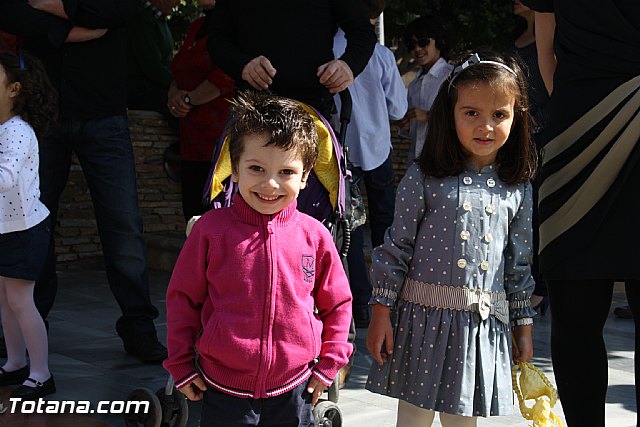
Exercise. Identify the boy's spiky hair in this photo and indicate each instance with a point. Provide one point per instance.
(288, 124)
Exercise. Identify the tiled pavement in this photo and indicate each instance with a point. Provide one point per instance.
(89, 364)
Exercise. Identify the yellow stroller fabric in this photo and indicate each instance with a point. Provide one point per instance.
(326, 168)
(534, 385)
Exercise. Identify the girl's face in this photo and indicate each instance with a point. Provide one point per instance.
(483, 119)
(269, 178)
(424, 51)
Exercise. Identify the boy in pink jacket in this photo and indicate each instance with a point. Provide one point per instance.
(259, 306)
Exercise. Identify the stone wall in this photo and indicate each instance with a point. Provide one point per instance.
(159, 197)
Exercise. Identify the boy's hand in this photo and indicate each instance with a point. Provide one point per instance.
(194, 390)
(380, 332)
(335, 75)
(522, 343)
(259, 73)
(315, 388)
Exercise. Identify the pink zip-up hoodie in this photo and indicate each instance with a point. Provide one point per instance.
(257, 303)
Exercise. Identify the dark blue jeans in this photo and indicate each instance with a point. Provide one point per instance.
(103, 147)
(291, 409)
(379, 184)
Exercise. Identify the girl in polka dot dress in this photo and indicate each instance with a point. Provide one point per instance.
(452, 280)
(27, 108)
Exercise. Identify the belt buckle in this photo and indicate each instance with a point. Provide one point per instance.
(484, 305)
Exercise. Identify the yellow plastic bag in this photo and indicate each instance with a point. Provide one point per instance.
(532, 384)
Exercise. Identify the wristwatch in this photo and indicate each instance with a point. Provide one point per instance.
(187, 100)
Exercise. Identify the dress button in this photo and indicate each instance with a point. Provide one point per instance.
(488, 238)
(462, 263)
(464, 235)
(466, 206)
(467, 180)
(489, 209)
(484, 265)
(491, 183)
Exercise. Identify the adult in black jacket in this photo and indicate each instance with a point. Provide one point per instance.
(91, 77)
(286, 46)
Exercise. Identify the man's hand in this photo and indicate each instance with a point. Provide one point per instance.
(414, 113)
(54, 7)
(259, 73)
(335, 75)
(194, 390)
(315, 388)
(81, 34)
(175, 101)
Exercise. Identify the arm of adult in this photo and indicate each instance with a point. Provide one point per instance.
(17, 17)
(545, 29)
(54, 7)
(259, 73)
(394, 90)
(99, 13)
(335, 75)
(227, 53)
(82, 34)
(175, 101)
(353, 18)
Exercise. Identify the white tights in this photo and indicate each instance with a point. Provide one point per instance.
(412, 416)
(23, 329)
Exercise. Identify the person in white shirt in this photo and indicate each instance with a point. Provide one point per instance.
(425, 39)
(378, 96)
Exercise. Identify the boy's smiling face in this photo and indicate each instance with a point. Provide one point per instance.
(269, 178)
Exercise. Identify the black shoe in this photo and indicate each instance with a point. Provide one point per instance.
(623, 312)
(14, 377)
(146, 347)
(361, 316)
(35, 392)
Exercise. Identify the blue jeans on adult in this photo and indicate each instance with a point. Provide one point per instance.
(379, 184)
(103, 147)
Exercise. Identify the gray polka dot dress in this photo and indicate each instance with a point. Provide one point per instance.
(469, 231)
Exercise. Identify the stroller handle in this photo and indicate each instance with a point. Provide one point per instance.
(345, 108)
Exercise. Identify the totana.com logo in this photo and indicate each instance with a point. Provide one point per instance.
(41, 406)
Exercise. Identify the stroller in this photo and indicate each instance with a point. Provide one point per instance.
(329, 198)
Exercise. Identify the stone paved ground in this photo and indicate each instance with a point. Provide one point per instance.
(89, 364)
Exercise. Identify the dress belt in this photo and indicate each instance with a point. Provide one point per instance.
(485, 303)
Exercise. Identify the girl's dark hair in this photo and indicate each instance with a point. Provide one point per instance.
(37, 100)
(428, 26)
(443, 154)
(288, 124)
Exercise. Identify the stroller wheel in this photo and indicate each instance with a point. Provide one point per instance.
(175, 411)
(152, 417)
(327, 414)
